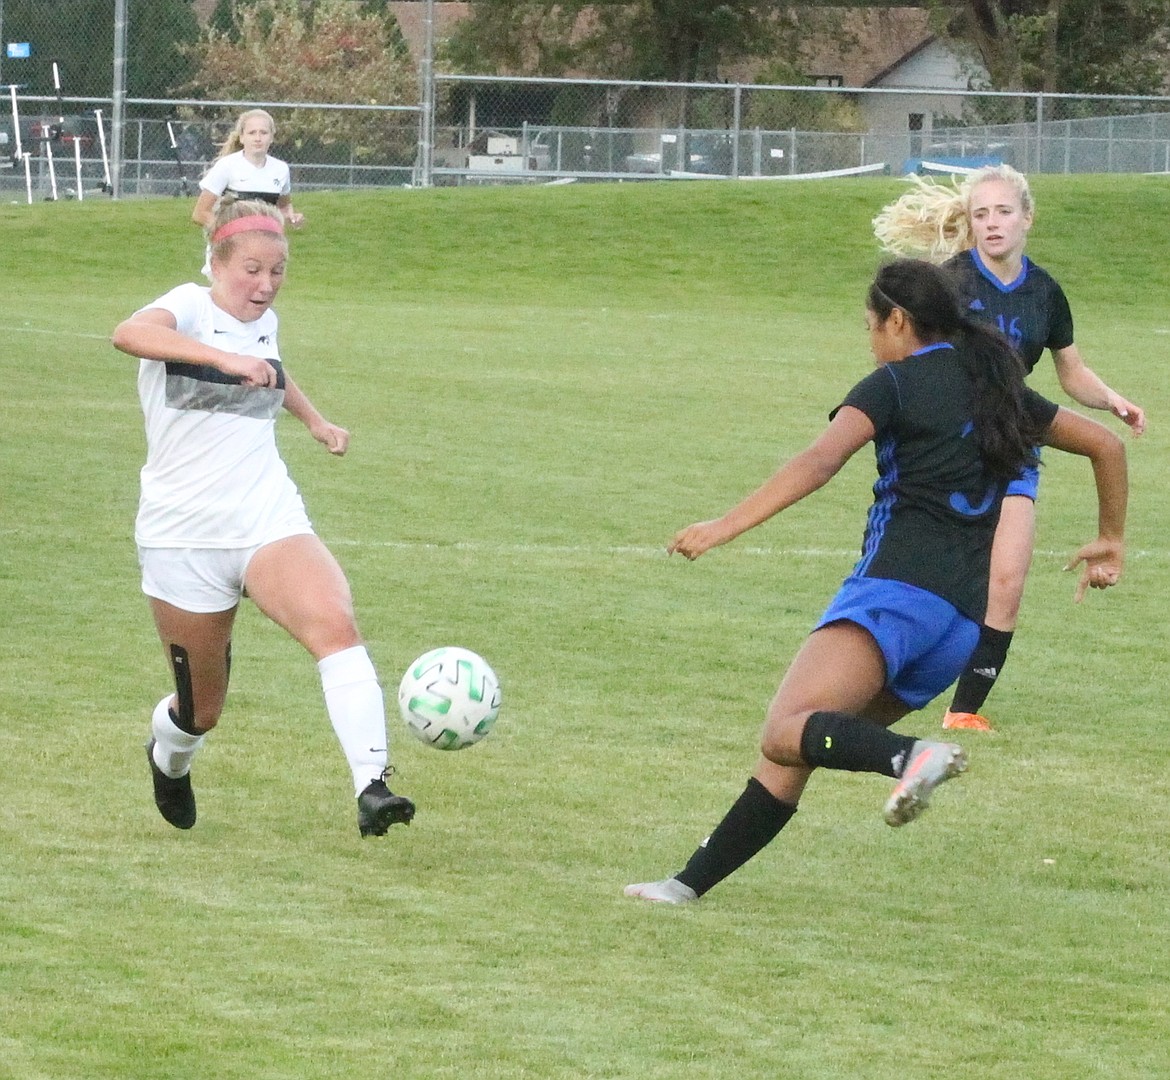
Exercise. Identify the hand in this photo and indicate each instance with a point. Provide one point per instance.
(250, 370)
(1128, 413)
(335, 439)
(295, 220)
(1103, 561)
(695, 539)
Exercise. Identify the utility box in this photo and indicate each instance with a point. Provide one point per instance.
(501, 145)
(505, 154)
(498, 163)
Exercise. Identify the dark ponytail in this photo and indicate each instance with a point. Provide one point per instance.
(1004, 431)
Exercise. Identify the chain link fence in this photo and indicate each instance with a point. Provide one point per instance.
(57, 130)
(64, 126)
(492, 130)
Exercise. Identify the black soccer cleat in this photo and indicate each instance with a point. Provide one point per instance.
(379, 808)
(172, 795)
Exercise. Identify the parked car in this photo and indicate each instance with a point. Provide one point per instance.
(708, 154)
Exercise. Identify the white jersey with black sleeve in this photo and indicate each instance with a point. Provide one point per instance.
(213, 476)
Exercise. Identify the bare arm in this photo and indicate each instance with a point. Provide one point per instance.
(1105, 556)
(335, 439)
(811, 469)
(1087, 388)
(204, 208)
(152, 335)
(291, 217)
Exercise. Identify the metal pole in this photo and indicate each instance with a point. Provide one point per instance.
(1039, 132)
(118, 115)
(16, 123)
(737, 110)
(426, 135)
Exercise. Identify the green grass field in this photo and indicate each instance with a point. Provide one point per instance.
(543, 384)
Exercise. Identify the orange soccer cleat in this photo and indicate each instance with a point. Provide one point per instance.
(968, 721)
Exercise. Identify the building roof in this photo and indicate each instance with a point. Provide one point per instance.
(412, 22)
(857, 45)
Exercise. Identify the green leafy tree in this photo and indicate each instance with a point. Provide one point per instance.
(1070, 46)
(523, 38)
(342, 51)
(1066, 46)
(674, 40)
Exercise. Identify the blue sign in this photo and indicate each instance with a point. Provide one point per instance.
(19, 50)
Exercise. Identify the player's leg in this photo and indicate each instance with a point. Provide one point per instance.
(298, 584)
(1011, 558)
(197, 646)
(833, 708)
(917, 658)
(839, 667)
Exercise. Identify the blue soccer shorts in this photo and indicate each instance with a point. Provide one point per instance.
(1027, 480)
(925, 640)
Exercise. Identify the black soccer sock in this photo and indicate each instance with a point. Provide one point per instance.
(982, 670)
(833, 740)
(748, 827)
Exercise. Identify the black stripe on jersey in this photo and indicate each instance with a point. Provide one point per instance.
(206, 373)
(272, 197)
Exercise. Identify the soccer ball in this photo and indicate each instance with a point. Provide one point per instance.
(449, 698)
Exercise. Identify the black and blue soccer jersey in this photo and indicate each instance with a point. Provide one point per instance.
(1032, 312)
(935, 505)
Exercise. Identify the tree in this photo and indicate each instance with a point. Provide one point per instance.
(673, 40)
(1069, 46)
(1066, 46)
(343, 51)
(529, 37)
(676, 40)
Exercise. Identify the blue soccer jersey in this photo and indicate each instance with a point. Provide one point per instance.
(1032, 312)
(935, 504)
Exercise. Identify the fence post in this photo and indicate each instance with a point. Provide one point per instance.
(1039, 133)
(426, 120)
(735, 120)
(118, 112)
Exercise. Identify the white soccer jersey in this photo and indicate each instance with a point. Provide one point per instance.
(213, 476)
(235, 173)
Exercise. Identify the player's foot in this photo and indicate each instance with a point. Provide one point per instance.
(930, 763)
(172, 795)
(379, 808)
(670, 891)
(968, 721)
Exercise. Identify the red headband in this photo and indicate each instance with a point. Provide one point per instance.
(251, 223)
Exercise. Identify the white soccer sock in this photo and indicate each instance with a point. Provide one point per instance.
(357, 712)
(173, 747)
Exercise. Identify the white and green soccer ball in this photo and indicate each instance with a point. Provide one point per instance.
(449, 698)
